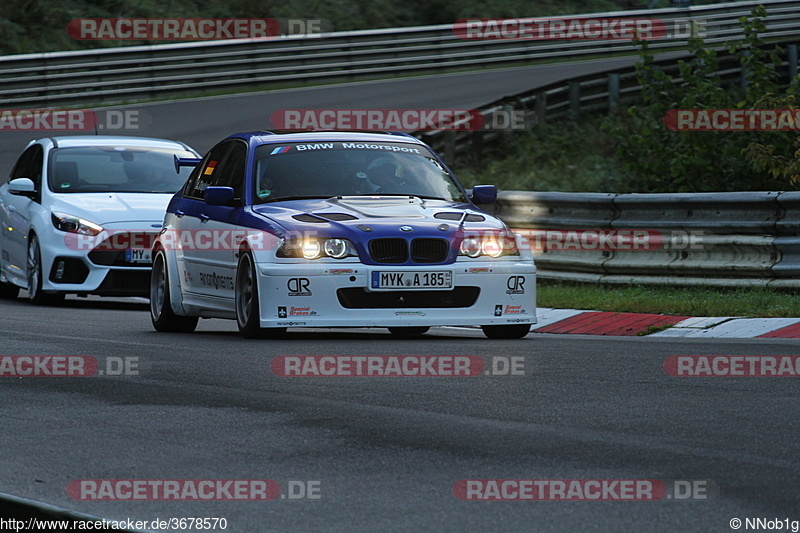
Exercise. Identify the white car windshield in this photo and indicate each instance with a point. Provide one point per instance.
(116, 169)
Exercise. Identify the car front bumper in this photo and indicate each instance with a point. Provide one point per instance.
(327, 294)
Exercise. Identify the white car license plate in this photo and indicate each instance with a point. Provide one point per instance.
(382, 280)
(138, 255)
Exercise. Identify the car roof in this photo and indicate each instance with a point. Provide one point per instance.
(270, 137)
(106, 140)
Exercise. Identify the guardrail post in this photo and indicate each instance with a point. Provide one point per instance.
(575, 100)
(541, 107)
(745, 71)
(791, 50)
(613, 93)
(476, 145)
(450, 147)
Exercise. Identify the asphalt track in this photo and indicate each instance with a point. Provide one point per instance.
(387, 451)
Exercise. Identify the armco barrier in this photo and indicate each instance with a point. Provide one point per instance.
(136, 73)
(718, 239)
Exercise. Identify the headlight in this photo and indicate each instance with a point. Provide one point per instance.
(310, 249)
(492, 245)
(72, 224)
(336, 248)
(316, 248)
(471, 247)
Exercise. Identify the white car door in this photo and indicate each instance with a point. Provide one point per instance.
(17, 211)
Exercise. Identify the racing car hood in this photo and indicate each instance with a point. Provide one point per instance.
(105, 208)
(362, 217)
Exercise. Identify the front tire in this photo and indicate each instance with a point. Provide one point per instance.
(161, 314)
(35, 276)
(246, 302)
(512, 331)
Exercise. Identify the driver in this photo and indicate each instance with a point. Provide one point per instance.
(386, 178)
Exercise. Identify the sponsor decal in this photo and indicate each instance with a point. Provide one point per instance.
(301, 311)
(498, 310)
(409, 313)
(515, 285)
(210, 168)
(337, 271)
(280, 150)
(299, 287)
(212, 279)
(513, 310)
(291, 323)
(478, 270)
(282, 312)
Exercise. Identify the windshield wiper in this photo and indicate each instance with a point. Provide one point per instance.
(289, 198)
(406, 195)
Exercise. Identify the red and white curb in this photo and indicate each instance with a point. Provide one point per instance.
(579, 322)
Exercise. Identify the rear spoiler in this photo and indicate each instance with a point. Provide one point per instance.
(185, 162)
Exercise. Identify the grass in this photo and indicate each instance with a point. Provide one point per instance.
(683, 301)
(546, 159)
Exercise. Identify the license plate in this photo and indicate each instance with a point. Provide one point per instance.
(412, 280)
(138, 255)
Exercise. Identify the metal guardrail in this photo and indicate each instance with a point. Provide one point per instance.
(714, 239)
(162, 71)
(603, 92)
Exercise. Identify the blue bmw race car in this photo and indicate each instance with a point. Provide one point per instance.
(334, 229)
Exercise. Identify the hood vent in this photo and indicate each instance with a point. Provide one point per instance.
(338, 217)
(305, 217)
(448, 215)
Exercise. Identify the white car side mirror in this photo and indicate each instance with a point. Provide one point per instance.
(22, 187)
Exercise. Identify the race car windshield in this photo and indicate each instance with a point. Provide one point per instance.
(327, 169)
(116, 169)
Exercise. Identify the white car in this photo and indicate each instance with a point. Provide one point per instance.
(79, 214)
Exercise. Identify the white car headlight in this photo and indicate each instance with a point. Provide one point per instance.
(72, 224)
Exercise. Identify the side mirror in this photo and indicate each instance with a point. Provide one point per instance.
(484, 194)
(218, 195)
(22, 187)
